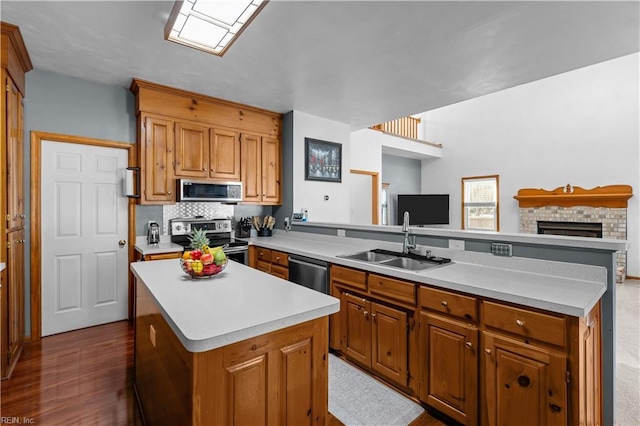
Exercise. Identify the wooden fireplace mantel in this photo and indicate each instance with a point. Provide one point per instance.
(613, 196)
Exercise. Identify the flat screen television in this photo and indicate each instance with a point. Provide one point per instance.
(424, 209)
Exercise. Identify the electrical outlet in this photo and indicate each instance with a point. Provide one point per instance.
(456, 244)
(341, 233)
(500, 249)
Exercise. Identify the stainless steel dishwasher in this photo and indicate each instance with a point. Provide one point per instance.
(309, 272)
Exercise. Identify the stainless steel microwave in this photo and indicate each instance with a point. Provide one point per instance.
(202, 190)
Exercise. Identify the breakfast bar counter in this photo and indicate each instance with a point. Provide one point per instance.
(241, 346)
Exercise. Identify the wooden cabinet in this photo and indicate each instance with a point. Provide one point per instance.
(272, 262)
(156, 144)
(279, 378)
(15, 295)
(191, 157)
(214, 139)
(523, 384)
(14, 146)
(370, 328)
(157, 256)
(449, 361)
(15, 63)
(375, 335)
(205, 153)
(224, 155)
(260, 169)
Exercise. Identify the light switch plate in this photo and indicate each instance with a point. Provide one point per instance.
(341, 233)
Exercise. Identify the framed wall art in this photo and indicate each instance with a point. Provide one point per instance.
(323, 160)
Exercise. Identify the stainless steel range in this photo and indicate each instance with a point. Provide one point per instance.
(219, 232)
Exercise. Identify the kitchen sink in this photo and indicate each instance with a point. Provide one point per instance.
(410, 262)
(369, 256)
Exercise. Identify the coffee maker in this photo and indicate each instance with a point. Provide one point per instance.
(153, 233)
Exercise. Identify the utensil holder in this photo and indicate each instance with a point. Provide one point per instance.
(264, 232)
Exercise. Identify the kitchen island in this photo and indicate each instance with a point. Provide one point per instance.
(242, 347)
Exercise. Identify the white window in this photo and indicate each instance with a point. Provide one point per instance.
(480, 203)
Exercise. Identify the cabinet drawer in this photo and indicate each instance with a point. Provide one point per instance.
(279, 258)
(350, 277)
(263, 254)
(280, 271)
(529, 324)
(161, 256)
(464, 307)
(394, 289)
(263, 266)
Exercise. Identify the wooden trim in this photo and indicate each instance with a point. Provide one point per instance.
(375, 193)
(497, 178)
(36, 209)
(631, 277)
(613, 196)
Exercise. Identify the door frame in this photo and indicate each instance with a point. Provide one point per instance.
(36, 210)
(375, 192)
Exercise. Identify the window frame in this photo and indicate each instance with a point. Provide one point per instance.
(497, 203)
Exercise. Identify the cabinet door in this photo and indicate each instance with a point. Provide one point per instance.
(389, 342)
(251, 164)
(192, 150)
(224, 155)
(157, 159)
(449, 361)
(15, 201)
(523, 384)
(280, 271)
(15, 293)
(271, 171)
(356, 329)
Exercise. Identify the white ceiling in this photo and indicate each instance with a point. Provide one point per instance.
(358, 62)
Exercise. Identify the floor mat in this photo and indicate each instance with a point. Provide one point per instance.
(357, 399)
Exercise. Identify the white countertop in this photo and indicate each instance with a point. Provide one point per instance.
(554, 286)
(2, 266)
(237, 304)
(160, 248)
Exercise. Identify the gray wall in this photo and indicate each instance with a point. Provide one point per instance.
(404, 176)
(67, 105)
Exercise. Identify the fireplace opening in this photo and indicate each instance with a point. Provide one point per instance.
(572, 229)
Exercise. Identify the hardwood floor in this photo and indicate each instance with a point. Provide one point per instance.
(76, 378)
(84, 377)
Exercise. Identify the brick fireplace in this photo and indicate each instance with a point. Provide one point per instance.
(578, 212)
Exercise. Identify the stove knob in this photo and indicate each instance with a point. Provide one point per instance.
(178, 227)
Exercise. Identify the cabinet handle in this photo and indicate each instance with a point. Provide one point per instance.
(213, 170)
(373, 315)
(278, 258)
(487, 351)
(444, 303)
(168, 192)
(520, 323)
(366, 313)
(469, 345)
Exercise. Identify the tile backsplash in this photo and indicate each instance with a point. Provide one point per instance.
(206, 209)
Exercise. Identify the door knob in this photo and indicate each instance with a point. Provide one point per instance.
(122, 243)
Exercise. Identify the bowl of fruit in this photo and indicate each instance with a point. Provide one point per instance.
(202, 261)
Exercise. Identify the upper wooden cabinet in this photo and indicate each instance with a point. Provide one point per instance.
(260, 169)
(155, 151)
(191, 156)
(224, 155)
(14, 156)
(208, 134)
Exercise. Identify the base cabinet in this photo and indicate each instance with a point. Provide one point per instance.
(523, 384)
(449, 358)
(370, 331)
(279, 378)
(270, 261)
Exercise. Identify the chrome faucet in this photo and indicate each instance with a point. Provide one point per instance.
(406, 245)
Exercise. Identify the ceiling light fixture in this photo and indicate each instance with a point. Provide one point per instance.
(210, 25)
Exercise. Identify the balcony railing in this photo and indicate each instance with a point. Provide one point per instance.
(405, 126)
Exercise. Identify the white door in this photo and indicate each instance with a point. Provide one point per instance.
(361, 199)
(83, 219)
